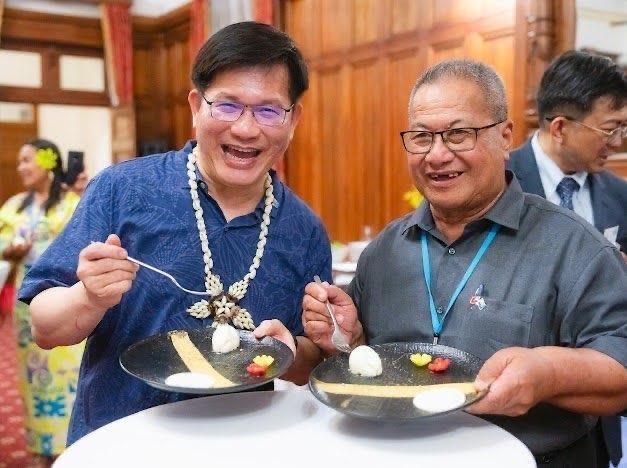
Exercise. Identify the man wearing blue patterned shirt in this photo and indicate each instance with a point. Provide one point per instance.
(202, 213)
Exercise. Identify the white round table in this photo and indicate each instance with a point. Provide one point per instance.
(289, 429)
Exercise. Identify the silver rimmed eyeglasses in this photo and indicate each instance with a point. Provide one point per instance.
(266, 114)
(455, 139)
(607, 135)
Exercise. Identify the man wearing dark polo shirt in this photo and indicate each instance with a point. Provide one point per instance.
(552, 329)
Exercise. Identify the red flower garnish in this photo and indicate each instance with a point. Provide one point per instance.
(439, 365)
(256, 370)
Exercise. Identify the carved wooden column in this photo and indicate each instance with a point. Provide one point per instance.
(118, 45)
(199, 26)
(1, 10)
(545, 29)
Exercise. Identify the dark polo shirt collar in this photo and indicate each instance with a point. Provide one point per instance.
(506, 211)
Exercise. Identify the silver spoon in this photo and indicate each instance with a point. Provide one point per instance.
(338, 339)
(167, 275)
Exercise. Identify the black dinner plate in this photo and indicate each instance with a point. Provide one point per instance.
(397, 370)
(154, 359)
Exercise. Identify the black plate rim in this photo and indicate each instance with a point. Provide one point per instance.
(315, 393)
(209, 390)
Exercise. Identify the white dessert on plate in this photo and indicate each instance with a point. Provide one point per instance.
(439, 400)
(190, 380)
(365, 361)
(224, 339)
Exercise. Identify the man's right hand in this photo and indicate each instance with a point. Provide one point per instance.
(105, 272)
(317, 322)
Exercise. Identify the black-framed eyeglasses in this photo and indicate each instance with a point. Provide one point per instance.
(266, 114)
(455, 139)
(620, 131)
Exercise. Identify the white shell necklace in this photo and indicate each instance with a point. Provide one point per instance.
(224, 306)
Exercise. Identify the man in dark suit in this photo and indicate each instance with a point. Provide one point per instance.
(582, 112)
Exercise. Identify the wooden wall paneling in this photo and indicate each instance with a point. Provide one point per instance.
(361, 166)
(336, 24)
(518, 106)
(409, 15)
(13, 136)
(564, 25)
(160, 96)
(161, 69)
(49, 28)
(1, 15)
(618, 165)
(306, 163)
(182, 117)
(497, 52)
(303, 12)
(403, 69)
(367, 15)
(446, 50)
(385, 45)
(330, 101)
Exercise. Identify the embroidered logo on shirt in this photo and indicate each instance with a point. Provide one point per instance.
(477, 298)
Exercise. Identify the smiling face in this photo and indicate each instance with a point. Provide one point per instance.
(584, 149)
(33, 176)
(237, 155)
(461, 183)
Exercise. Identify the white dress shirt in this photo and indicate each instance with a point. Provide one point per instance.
(551, 175)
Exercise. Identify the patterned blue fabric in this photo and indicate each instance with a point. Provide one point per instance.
(147, 203)
(566, 189)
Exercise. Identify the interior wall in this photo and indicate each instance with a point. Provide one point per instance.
(347, 159)
(78, 128)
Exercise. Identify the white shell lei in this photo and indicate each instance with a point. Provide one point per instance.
(224, 305)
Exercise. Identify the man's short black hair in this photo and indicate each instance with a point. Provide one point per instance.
(250, 44)
(575, 80)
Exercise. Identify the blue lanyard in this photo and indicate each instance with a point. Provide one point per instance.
(437, 323)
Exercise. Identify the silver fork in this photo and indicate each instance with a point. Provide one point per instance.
(167, 275)
(337, 338)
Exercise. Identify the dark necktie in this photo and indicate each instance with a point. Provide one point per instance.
(566, 189)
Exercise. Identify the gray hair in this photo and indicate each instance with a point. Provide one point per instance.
(476, 72)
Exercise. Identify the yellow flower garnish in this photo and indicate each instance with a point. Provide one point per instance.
(46, 159)
(413, 197)
(263, 360)
(420, 359)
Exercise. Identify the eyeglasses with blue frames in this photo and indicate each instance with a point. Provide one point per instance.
(455, 139)
(620, 131)
(266, 114)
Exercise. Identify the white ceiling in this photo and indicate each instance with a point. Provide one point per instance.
(138, 8)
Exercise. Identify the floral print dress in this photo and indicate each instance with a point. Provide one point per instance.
(48, 378)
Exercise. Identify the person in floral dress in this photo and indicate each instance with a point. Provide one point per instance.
(29, 222)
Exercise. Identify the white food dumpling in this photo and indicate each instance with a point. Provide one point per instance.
(365, 361)
(225, 339)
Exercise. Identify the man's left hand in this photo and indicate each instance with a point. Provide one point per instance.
(518, 379)
(275, 329)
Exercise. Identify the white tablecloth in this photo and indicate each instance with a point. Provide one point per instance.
(289, 429)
